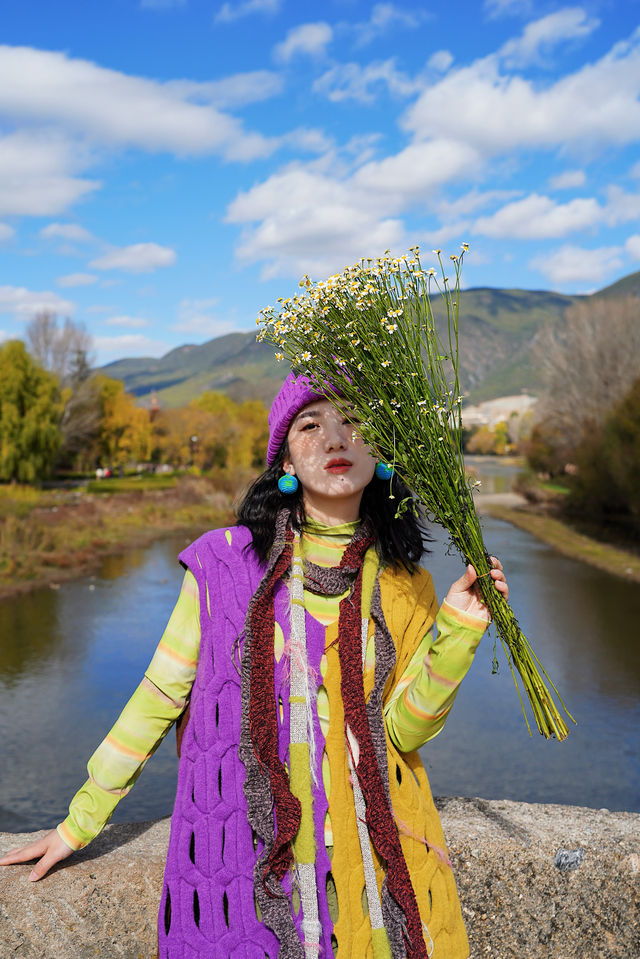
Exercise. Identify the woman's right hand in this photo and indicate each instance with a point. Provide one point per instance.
(48, 851)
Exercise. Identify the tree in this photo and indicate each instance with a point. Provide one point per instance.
(212, 432)
(80, 424)
(589, 363)
(63, 349)
(242, 429)
(606, 484)
(30, 411)
(252, 435)
(125, 430)
(486, 440)
(187, 436)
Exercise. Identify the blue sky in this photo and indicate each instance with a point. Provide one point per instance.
(169, 167)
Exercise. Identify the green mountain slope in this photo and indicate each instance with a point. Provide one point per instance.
(498, 329)
(627, 286)
(234, 364)
(497, 333)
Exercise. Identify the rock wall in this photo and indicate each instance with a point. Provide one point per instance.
(543, 881)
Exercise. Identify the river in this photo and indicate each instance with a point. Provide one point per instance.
(69, 659)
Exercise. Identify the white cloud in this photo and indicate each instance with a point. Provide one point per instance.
(440, 61)
(137, 258)
(468, 203)
(107, 107)
(383, 17)
(572, 264)
(323, 215)
(538, 217)
(501, 8)
(308, 39)
(77, 279)
(632, 246)
(130, 322)
(19, 301)
(568, 180)
(67, 231)
(450, 232)
(196, 316)
(307, 140)
(412, 176)
(635, 171)
(71, 109)
(351, 81)
(542, 35)
(38, 173)
(621, 206)
(236, 90)
(320, 227)
(236, 11)
(362, 147)
(596, 106)
(128, 345)
(6, 232)
(302, 220)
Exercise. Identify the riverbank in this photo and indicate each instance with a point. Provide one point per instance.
(513, 508)
(47, 538)
(534, 880)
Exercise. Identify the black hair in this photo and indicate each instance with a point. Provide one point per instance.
(398, 523)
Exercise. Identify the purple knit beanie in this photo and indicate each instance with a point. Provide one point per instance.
(294, 394)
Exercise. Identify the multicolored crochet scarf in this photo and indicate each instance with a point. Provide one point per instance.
(267, 787)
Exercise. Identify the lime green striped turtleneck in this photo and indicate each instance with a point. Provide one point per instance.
(324, 546)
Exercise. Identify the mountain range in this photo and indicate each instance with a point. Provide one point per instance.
(498, 331)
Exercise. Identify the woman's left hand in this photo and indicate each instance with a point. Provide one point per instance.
(465, 593)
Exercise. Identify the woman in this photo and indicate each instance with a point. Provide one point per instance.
(303, 823)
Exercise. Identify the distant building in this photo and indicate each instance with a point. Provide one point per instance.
(496, 411)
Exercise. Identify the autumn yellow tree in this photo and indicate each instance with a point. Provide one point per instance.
(124, 435)
(249, 440)
(241, 429)
(212, 433)
(181, 437)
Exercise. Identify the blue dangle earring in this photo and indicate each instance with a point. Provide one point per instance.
(288, 484)
(384, 471)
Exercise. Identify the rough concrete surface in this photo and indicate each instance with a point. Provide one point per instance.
(519, 897)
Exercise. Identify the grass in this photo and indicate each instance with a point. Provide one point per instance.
(50, 536)
(132, 484)
(551, 487)
(570, 542)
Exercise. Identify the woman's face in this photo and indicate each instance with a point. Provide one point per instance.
(331, 461)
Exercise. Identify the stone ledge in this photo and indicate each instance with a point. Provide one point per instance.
(517, 904)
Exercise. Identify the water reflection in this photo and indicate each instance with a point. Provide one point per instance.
(31, 635)
(496, 474)
(115, 566)
(70, 660)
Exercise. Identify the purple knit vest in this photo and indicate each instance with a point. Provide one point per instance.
(207, 907)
